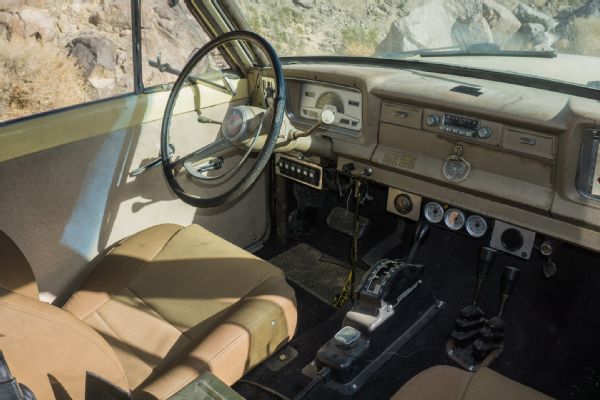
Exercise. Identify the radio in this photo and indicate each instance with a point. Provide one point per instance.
(458, 125)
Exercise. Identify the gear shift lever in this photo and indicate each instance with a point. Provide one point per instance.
(487, 256)
(509, 281)
(492, 336)
(420, 235)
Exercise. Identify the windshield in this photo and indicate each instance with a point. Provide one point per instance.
(551, 39)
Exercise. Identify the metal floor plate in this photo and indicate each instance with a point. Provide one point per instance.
(314, 271)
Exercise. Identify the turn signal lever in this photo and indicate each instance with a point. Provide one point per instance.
(327, 118)
(420, 235)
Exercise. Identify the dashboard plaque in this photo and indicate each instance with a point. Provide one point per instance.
(400, 159)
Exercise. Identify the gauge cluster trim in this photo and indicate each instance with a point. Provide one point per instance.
(294, 114)
(441, 214)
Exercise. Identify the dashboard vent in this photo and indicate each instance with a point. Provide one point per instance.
(471, 91)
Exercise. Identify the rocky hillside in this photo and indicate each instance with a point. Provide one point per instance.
(59, 53)
(380, 27)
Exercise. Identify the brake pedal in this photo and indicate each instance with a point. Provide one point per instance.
(342, 220)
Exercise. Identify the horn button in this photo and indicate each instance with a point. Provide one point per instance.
(235, 125)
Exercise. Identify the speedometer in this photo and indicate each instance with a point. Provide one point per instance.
(331, 99)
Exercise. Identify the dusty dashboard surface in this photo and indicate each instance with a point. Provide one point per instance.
(512, 154)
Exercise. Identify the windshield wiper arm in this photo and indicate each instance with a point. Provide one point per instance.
(477, 50)
(499, 53)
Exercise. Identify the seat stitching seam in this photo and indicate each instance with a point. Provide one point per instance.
(469, 382)
(131, 349)
(155, 255)
(141, 262)
(248, 330)
(156, 311)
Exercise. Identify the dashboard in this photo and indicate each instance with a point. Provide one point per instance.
(514, 156)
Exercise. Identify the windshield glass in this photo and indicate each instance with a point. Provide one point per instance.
(551, 39)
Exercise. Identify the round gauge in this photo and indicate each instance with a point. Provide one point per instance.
(476, 226)
(330, 99)
(434, 212)
(403, 204)
(454, 219)
(456, 169)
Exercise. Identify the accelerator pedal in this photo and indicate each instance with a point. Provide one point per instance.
(342, 220)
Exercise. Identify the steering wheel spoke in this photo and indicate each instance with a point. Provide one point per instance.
(189, 162)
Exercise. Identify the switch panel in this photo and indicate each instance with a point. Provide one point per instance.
(300, 171)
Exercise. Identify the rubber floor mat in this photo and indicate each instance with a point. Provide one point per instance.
(316, 272)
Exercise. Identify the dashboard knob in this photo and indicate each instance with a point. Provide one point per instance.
(327, 117)
(484, 132)
(432, 120)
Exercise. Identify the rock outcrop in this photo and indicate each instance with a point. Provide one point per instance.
(446, 23)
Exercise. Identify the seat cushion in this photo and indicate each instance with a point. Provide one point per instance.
(449, 383)
(16, 274)
(50, 351)
(174, 302)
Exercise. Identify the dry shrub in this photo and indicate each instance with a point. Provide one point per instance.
(36, 77)
(359, 49)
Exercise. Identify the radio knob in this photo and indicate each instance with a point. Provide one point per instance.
(432, 120)
(484, 132)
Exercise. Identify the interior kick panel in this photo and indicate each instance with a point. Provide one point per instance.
(511, 153)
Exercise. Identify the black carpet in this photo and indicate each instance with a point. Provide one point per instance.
(553, 325)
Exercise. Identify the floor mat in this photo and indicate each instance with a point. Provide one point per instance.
(316, 272)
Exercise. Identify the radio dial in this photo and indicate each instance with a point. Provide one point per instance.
(433, 120)
(484, 132)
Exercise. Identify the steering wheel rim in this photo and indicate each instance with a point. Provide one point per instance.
(271, 140)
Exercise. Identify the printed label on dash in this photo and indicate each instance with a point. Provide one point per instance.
(400, 159)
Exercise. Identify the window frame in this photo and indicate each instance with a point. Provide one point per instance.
(138, 88)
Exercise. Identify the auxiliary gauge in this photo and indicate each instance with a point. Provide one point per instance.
(434, 212)
(454, 219)
(476, 226)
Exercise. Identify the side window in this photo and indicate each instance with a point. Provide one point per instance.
(56, 54)
(170, 35)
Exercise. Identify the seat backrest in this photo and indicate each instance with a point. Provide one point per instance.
(50, 350)
(15, 272)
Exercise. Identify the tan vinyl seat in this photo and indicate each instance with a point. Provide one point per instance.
(165, 305)
(449, 383)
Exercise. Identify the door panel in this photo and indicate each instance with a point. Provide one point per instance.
(67, 203)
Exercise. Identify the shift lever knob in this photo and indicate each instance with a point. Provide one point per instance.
(487, 255)
(422, 232)
(510, 276)
(420, 235)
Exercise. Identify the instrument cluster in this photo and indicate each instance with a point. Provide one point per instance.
(344, 103)
(456, 219)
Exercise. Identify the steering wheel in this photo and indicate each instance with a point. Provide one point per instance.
(241, 127)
